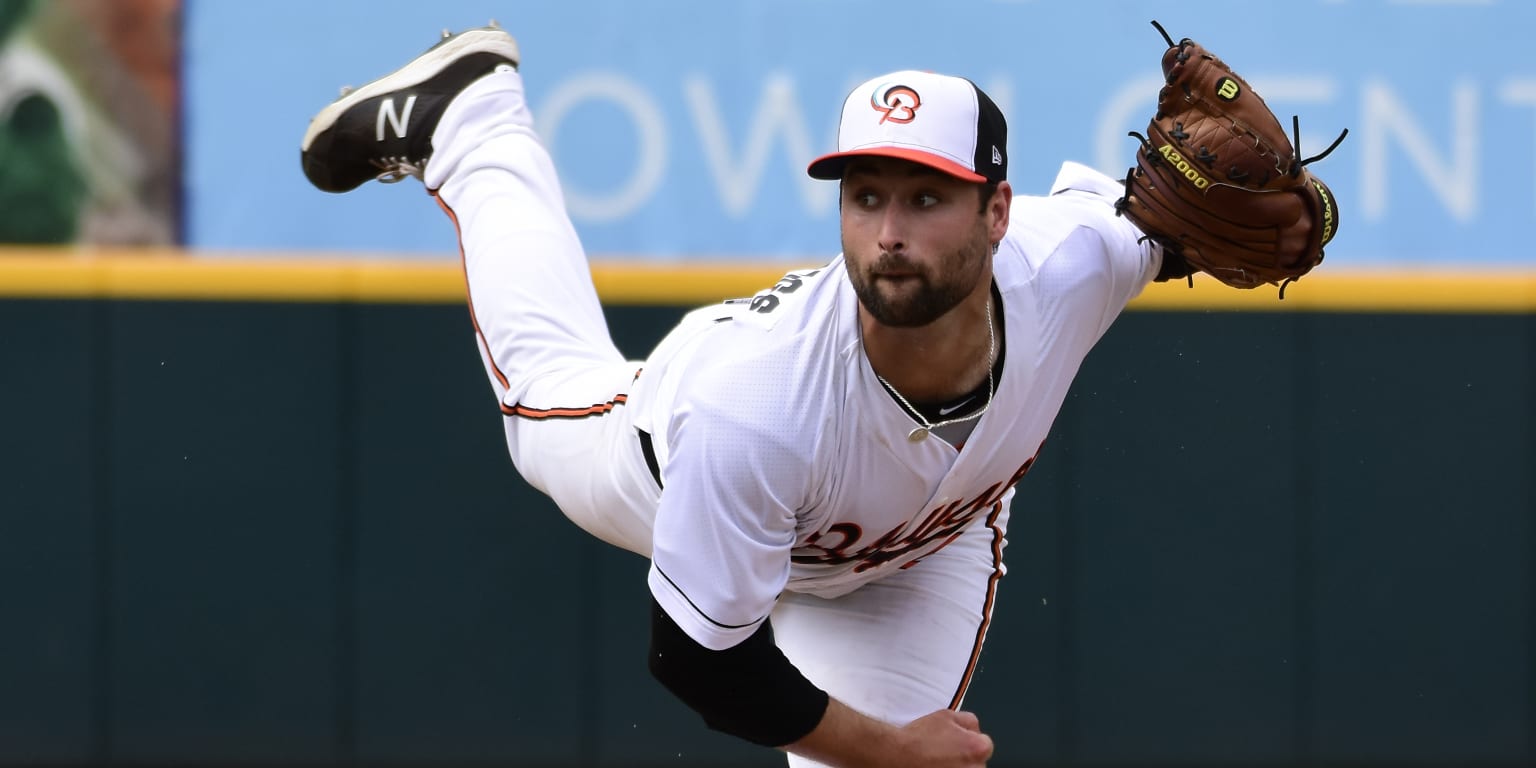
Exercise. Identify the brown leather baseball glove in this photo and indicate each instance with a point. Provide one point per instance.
(1219, 185)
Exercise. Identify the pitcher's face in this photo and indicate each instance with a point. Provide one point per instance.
(916, 241)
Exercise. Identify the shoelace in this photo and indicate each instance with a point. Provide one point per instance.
(397, 168)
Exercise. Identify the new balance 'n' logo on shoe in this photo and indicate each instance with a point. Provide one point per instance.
(383, 130)
(398, 121)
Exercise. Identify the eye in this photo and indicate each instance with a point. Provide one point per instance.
(865, 199)
(925, 200)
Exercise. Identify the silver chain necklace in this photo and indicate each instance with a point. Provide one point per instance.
(921, 432)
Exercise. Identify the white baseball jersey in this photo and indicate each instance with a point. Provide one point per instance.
(786, 464)
(788, 484)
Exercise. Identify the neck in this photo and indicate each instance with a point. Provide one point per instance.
(937, 362)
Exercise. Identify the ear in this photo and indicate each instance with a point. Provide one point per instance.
(997, 211)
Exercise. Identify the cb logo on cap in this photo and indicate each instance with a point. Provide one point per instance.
(896, 103)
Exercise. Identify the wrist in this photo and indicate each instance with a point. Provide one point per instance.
(847, 738)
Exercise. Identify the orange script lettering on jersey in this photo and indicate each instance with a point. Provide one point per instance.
(840, 543)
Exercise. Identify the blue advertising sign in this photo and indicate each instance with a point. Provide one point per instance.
(682, 127)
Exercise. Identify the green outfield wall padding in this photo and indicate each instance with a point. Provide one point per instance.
(278, 534)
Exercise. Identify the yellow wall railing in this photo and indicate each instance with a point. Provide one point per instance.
(170, 274)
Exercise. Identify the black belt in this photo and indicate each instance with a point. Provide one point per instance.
(647, 448)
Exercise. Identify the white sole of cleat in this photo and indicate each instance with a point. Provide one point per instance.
(422, 68)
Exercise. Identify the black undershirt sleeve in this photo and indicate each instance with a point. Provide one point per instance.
(750, 690)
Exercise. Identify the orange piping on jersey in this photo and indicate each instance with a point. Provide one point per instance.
(464, 269)
(986, 610)
(564, 413)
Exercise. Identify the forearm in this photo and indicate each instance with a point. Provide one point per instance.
(752, 691)
(940, 739)
(849, 739)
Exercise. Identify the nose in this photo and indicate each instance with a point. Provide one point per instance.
(892, 236)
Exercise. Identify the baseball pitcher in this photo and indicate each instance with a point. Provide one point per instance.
(820, 475)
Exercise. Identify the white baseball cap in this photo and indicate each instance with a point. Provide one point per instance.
(940, 121)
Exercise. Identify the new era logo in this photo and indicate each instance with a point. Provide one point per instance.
(397, 120)
(997, 155)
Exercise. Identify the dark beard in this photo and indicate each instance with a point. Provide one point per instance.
(928, 304)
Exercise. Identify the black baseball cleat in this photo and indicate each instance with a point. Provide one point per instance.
(383, 130)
